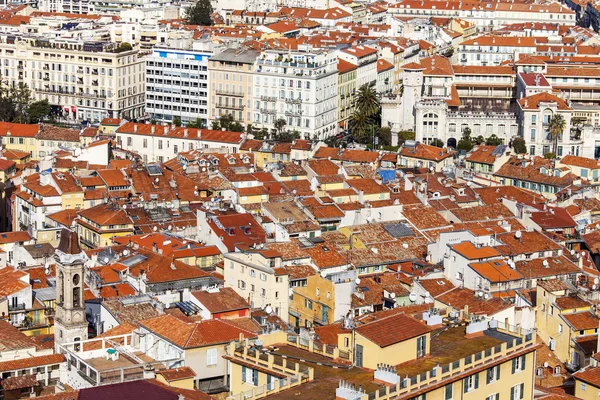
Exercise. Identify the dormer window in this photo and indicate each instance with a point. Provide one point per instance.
(215, 161)
(246, 160)
(231, 231)
(245, 229)
(231, 160)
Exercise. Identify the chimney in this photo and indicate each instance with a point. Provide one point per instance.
(152, 129)
(166, 130)
(135, 128)
(185, 132)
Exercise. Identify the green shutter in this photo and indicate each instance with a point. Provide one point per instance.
(523, 362)
(489, 373)
(448, 392)
(243, 373)
(255, 377)
(476, 380)
(514, 366)
(466, 385)
(522, 390)
(512, 392)
(497, 396)
(498, 373)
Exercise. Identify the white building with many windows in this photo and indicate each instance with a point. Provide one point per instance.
(177, 85)
(84, 80)
(299, 87)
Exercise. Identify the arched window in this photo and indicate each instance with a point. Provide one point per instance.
(61, 283)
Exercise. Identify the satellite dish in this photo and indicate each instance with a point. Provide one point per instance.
(393, 295)
(583, 254)
(156, 180)
(357, 281)
(106, 260)
(428, 258)
(323, 274)
(155, 229)
(405, 245)
(124, 206)
(125, 252)
(195, 193)
(572, 252)
(546, 364)
(480, 294)
(412, 297)
(518, 234)
(545, 263)
(486, 296)
(596, 281)
(427, 294)
(594, 287)
(170, 227)
(268, 309)
(291, 292)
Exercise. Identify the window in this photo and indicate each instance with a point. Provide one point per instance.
(518, 364)
(211, 357)
(421, 346)
(560, 328)
(263, 277)
(318, 292)
(263, 292)
(517, 391)
(493, 374)
(539, 372)
(251, 272)
(471, 383)
(583, 386)
(448, 389)
(241, 284)
(308, 304)
(346, 342)
(557, 370)
(551, 310)
(145, 143)
(250, 376)
(495, 396)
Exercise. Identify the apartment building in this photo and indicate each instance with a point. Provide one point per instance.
(177, 85)
(299, 87)
(85, 81)
(486, 15)
(157, 143)
(346, 91)
(231, 80)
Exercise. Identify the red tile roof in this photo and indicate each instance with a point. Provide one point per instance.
(391, 330)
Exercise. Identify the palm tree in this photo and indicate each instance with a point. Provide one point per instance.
(556, 127)
(367, 101)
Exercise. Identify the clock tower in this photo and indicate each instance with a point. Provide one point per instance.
(70, 324)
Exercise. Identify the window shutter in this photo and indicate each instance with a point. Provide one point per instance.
(523, 361)
(512, 391)
(489, 375)
(476, 380)
(243, 373)
(497, 396)
(466, 385)
(448, 391)
(255, 377)
(514, 366)
(521, 391)
(498, 373)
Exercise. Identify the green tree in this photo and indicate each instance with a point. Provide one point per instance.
(385, 136)
(518, 145)
(236, 127)
(38, 111)
(198, 123)
(215, 125)
(21, 96)
(493, 141)
(550, 156)
(466, 142)
(279, 125)
(200, 13)
(123, 47)
(176, 121)
(556, 127)
(437, 143)
(367, 114)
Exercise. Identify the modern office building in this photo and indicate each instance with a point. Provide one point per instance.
(177, 85)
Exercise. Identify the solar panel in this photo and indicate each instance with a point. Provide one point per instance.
(499, 150)
(136, 259)
(304, 242)
(398, 230)
(158, 214)
(154, 170)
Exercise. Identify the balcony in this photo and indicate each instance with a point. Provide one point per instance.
(294, 113)
(227, 93)
(293, 101)
(16, 307)
(230, 107)
(268, 111)
(87, 243)
(268, 98)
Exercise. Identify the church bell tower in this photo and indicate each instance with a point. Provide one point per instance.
(70, 324)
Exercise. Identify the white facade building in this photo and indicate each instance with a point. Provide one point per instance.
(177, 85)
(301, 88)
